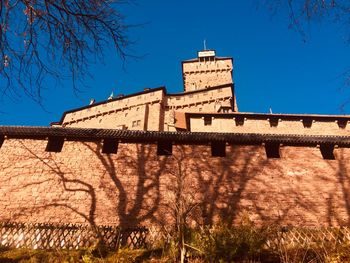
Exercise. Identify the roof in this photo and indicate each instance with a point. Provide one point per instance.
(342, 120)
(203, 138)
(149, 90)
(197, 59)
(282, 116)
(180, 120)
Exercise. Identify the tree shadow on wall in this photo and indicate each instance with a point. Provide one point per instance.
(135, 173)
(246, 182)
(64, 177)
(338, 201)
(137, 187)
(129, 180)
(219, 181)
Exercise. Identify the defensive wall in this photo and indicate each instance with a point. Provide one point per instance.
(152, 109)
(127, 161)
(132, 178)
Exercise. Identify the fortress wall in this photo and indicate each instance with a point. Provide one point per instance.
(114, 111)
(199, 97)
(154, 117)
(199, 75)
(137, 187)
(263, 126)
(132, 118)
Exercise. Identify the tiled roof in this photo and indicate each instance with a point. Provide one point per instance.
(282, 116)
(78, 134)
(147, 90)
(197, 59)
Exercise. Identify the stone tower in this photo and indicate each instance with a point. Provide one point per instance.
(207, 70)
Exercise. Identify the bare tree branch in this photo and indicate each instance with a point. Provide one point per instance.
(41, 39)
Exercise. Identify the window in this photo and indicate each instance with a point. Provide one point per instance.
(136, 123)
(207, 121)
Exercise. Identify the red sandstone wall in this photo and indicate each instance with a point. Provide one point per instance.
(137, 187)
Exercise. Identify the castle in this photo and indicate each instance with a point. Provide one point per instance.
(124, 161)
(208, 87)
(208, 104)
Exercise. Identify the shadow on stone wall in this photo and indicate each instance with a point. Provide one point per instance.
(136, 206)
(137, 187)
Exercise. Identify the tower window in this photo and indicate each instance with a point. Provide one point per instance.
(136, 123)
(207, 121)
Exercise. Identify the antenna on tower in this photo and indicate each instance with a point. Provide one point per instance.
(111, 96)
(205, 44)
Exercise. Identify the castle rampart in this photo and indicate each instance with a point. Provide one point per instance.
(136, 185)
(120, 161)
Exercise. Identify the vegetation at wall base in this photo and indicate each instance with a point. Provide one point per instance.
(218, 243)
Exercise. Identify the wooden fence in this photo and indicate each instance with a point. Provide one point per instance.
(311, 236)
(71, 236)
(74, 236)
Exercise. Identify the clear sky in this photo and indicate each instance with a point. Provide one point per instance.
(273, 65)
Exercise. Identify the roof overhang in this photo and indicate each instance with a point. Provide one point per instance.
(201, 138)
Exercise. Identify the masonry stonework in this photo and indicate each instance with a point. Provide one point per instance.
(137, 187)
(285, 169)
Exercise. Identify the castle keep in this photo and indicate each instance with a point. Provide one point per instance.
(124, 160)
(208, 87)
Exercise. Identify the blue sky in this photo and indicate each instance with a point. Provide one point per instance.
(273, 65)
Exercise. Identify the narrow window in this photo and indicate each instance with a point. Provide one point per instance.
(207, 121)
(136, 123)
(327, 152)
(164, 148)
(218, 149)
(110, 146)
(54, 144)
(272, 150)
